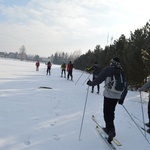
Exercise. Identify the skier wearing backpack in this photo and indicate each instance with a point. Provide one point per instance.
(37, 64)
(48, 68)
(70, 69)
(96, 70)
(111, 97)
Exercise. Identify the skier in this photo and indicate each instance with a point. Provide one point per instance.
(37, 64)
(145, 87)
(69, 69)
(96, 70)
(48, 68)
(63, 70)
(110, 98)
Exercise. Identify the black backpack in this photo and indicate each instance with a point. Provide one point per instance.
(117, 83)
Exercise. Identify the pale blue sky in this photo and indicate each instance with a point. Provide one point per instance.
(47, 26)
(14, 2)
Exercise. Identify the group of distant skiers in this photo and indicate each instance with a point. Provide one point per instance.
(69, 68)
(64, 67)
(114, 92)
(48, 70)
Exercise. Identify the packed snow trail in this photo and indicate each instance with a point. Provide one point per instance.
(38, 118)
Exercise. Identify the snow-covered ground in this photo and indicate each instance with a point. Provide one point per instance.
(32, 118)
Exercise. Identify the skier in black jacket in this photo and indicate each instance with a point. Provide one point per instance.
(110, 98)
(96, 70)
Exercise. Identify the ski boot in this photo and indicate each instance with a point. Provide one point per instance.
(147, 124)
(111, 135)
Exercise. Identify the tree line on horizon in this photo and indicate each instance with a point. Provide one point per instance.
(134, 54)
(62, 57)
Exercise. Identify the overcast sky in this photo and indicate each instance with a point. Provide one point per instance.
(48, 26)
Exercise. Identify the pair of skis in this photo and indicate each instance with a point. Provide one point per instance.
(105, 136)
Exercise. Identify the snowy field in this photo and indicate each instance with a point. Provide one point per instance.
(32, 118)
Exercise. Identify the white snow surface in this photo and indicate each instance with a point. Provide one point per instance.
(32, 118)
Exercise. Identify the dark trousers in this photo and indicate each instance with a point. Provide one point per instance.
(109, 112)
(70, 74)
(149, 109)
(37, 68)
(63, 71)
(93, 86)
(48, 71)
(97, 88)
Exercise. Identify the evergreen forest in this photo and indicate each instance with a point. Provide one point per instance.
(134, 54)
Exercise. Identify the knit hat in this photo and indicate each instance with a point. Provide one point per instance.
(115, 61)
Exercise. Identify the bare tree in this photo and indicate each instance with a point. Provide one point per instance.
(22, 52)
(75, 55)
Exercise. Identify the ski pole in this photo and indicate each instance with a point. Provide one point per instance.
(137, 118)
(86, 79)
(83, 113)
(135, 124)
(142, 112)
(79, 77)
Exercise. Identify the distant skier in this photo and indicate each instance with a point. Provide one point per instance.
(146, 87)
(63, 70)
(37, 64)
(110, 97)
(49, 68)
(70, 69)
(96, 70)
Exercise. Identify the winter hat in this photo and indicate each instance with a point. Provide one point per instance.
(115, 61)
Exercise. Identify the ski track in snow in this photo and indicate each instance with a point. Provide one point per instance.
(42, 119)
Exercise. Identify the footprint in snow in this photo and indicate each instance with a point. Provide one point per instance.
(56, 137)
(57, 114)
(53, 124)
(27, 142)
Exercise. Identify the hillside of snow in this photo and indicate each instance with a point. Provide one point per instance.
(34, 118)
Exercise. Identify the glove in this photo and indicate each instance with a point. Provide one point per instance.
(87, 69)
(89, 83)
(120, 101)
